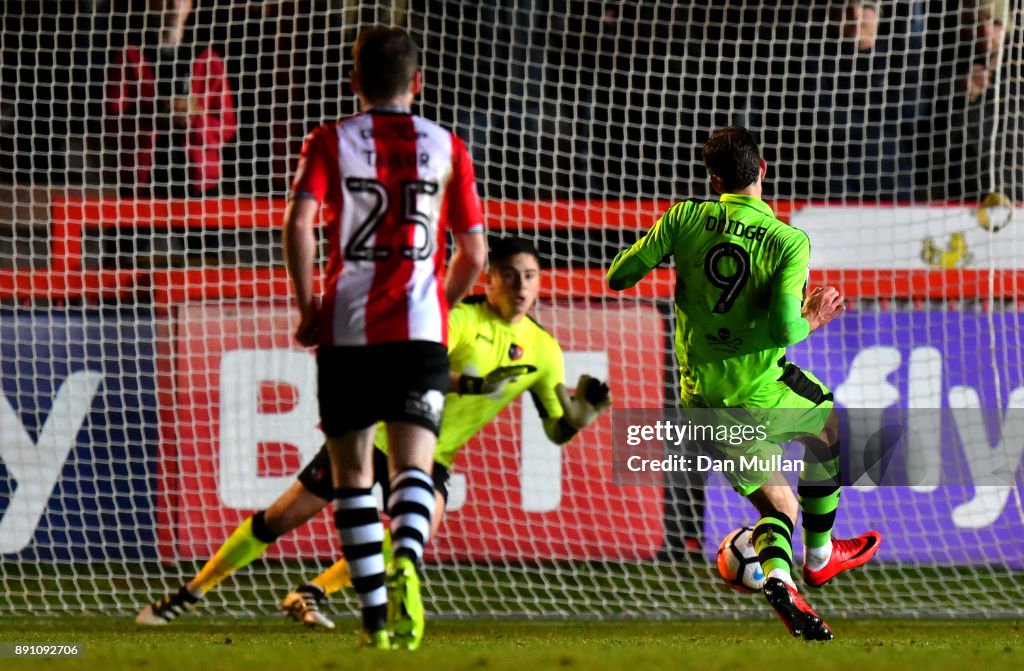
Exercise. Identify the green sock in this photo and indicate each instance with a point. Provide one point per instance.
(773, 540)
(819, 495)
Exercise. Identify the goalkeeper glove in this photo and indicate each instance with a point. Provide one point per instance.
(493, 382)
(590, 400)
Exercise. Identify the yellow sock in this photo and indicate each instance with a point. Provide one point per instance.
(337, 577)
(239, 550)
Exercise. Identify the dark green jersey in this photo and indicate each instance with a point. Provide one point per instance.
(741, 276)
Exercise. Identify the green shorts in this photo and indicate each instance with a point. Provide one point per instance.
(795, 405)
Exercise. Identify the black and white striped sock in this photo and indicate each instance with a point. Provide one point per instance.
(411, 506)
(362, 535)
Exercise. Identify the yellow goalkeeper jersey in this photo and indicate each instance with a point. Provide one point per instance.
(479, 341)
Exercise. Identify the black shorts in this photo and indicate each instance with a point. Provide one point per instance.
(393, 382)
(316, 476)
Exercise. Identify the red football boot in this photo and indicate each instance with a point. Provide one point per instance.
(846, 554)
(795, 613)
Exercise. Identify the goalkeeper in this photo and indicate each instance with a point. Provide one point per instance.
(741, 276)
(497, 352)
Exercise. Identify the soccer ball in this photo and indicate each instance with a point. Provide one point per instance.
(737, 561)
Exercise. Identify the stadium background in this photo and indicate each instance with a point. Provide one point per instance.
(153, 398)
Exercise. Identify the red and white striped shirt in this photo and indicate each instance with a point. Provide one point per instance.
(390, 184)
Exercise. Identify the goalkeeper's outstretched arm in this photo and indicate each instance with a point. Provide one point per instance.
(579, 411)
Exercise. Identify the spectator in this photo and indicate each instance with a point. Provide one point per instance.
(287, 59)
(44, 60)
(964, 56)
(490, 60)
(982, 29)
(169, 111)
(860, 82)
(860, 24)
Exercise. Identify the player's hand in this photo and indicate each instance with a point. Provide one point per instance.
(822, 305)
(592, 397)
(307, 333)
(495, 381)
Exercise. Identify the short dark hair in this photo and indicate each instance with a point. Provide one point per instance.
(385, 58)
(505, 248)
(731, 155)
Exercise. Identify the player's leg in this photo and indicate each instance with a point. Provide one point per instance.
(245, 544)
(303, 603)
(360, 529)
(411, 503)
(767, 490)
(413, 425)
(411, 506)
(819, 489)
(773, 536)
(773, 533)
(350, 390)
(337, 577)
(801, 408)
(786, 409)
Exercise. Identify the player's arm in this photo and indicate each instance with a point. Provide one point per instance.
(492, 383)
(631, 265)
(786, 325)
(466, 265)
(300, 256)
(786, 322)
(579, 410)
(790, 317)
(308, 190)
(465, 215)
(564, 415)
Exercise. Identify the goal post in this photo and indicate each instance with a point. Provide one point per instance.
(153, 396)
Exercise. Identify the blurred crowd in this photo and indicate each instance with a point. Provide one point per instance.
(851, 99)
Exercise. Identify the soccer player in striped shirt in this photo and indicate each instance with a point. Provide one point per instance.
(390, 184)
(492, 333)
(740, 302)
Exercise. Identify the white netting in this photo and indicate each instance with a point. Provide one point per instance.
(146, 322)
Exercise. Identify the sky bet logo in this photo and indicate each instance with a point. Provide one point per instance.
(35, 465)
(78, 434)
(991, 441)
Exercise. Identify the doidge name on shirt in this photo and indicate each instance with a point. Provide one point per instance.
(730, 227)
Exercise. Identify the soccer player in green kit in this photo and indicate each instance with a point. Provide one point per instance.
(496, 353)
(740, 301)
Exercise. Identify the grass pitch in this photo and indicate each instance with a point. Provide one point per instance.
(762, 645)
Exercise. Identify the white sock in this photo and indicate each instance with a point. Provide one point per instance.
(783, 575)
(816, 558)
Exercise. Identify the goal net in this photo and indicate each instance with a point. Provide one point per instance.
(153, 397)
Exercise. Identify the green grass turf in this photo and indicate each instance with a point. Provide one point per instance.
(220, 644)
(601, 590)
